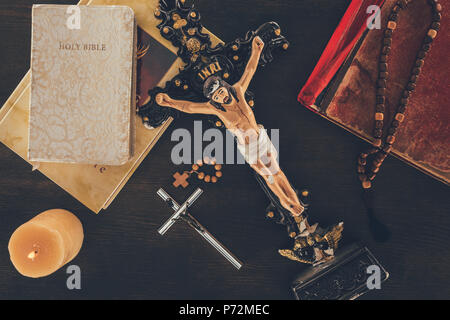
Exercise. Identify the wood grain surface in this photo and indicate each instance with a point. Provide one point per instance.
(123, 257)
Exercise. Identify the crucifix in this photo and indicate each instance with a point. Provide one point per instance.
(214, 81)
(181, 213)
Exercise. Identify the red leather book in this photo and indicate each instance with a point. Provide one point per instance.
(342, 86)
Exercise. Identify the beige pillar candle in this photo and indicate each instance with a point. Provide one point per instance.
(44, 244)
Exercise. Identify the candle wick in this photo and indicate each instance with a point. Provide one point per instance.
(32, 254)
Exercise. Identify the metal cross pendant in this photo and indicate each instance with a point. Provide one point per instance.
(181, 213)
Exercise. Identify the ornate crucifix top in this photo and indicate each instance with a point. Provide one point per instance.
(180, 24)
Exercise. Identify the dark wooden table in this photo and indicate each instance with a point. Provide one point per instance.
(124, 257)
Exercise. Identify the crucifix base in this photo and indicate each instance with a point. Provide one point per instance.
(343, 278)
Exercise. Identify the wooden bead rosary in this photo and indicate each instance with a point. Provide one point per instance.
(379, 150)
(181, 179)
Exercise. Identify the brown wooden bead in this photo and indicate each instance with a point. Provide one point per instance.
(395, 123)
(437, 17)
(432, 33)
(207, 178)
(426, 47)
(376, 143)
(218, 167)
(402, 4)
(399, 117)
(366, 184)
(218, 174)
(380, 107)
(387, 41)
(376, 163)
(387, 148)
(391, 25)
(377, 133)
(381, 83)
(379, 116)
(213, 179)
(381, 157)
(201, 175)
(388, 33)
(419, 63)
(362, 177)
(383, 58)
(382, 66)
(360, 169)
(386, 49)
(390, 139)
(393, 17)
(438, 7)
(428, 40)
(411, 86)
(436, 25)
(379, 124)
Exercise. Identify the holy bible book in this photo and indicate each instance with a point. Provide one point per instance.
(342, 86)
(82, 105)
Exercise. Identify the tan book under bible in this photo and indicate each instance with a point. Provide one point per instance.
(96, 186)
(83, 101)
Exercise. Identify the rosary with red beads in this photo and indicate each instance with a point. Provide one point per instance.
(379, 150)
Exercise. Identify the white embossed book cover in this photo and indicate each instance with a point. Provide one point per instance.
(82, 105)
